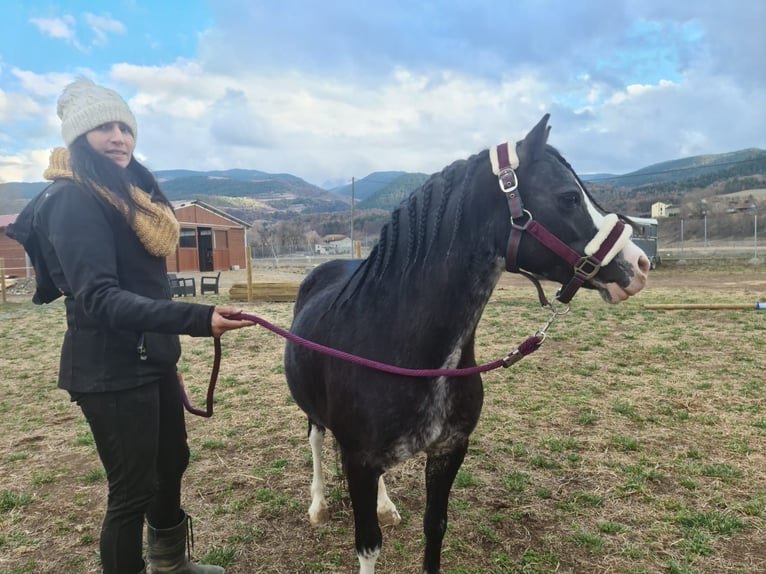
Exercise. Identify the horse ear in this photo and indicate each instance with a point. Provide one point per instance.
(534, 144)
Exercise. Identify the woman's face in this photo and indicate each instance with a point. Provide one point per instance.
(113, 140)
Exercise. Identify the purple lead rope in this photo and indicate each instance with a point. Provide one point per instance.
(529, 346)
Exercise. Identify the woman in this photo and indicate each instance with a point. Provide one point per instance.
(103, 229)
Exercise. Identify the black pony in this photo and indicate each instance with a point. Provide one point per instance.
(415, 302)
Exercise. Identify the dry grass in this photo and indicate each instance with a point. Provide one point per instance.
(632, 442)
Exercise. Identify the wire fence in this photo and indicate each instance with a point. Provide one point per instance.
(718, 236)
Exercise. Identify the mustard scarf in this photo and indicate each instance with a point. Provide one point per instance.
(157, 228)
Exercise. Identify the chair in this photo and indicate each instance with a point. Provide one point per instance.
(182, 286)
(209, 284)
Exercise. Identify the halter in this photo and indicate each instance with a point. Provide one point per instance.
(605, 245)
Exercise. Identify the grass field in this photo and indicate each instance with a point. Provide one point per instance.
(633, 441)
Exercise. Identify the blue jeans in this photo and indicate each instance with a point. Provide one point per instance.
(140, 435)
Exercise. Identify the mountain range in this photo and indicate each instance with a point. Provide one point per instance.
(254, 195)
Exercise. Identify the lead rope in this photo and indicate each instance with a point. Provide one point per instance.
(527, 347)
(189, 537)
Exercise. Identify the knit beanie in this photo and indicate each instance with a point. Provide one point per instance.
(84, 106)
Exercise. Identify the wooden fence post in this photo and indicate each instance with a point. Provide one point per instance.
(2, 278)
(703, 306)
(248, 254)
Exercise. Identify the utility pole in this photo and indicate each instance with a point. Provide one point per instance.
(352, 217)
(755, 234)
(754, 210)
(703, 203)
(704, 215)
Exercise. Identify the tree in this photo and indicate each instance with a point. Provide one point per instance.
(312, 238)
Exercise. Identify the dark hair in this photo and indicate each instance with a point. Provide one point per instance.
(90, 166)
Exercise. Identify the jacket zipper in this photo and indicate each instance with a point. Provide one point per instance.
(141, 348)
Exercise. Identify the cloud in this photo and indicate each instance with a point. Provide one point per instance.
(65, 28)
(319, 127)
(24, 167)
(636, 91)
(15, 106)
(62, 28)
(234, 121)
(30, 109)
(102, 26)
(40, 86)
(644, 124)
(732, 41)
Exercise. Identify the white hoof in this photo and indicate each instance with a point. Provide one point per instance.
(389, 516)
(319, 514)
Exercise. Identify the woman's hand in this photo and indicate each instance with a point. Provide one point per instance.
(220, 324)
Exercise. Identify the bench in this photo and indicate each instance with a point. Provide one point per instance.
(209, 284)
(182, 286)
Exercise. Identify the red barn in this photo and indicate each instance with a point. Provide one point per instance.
(11, 251)
(211, 240)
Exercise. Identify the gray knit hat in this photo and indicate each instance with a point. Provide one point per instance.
(84, 106)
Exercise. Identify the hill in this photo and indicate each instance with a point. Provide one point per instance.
(369, 185)
(597, 176)
(393, 193)
(254, 195)
(677, 182)
(686, 168)
(23, 190)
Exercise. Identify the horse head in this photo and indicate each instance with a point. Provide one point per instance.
(575, 239)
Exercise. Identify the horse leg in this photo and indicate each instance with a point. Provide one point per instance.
(387, 513)
(318, 512)
(441, 470)
(362, 487)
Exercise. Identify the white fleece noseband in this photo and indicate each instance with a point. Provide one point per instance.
(610, 220)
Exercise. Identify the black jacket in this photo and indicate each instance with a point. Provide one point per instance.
(122, 326)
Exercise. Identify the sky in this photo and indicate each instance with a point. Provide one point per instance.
(338, 89)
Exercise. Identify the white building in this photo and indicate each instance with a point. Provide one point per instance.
(660, 209)
(333, 245)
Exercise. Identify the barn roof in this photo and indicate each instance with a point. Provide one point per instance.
(334, 237)
(188, 203)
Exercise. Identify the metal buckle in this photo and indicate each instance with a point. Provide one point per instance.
(582, 269)
(507, 180)
(522, 226)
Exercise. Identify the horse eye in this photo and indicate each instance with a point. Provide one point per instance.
(569, 200)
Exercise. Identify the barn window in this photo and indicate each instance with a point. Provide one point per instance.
(188, 238)
(221, 239)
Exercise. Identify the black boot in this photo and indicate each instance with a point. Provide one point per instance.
(167, 550)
